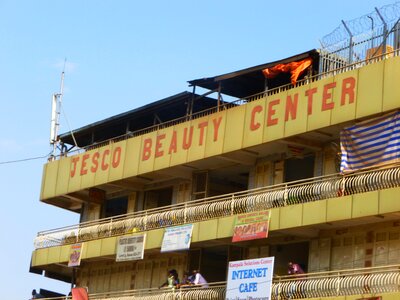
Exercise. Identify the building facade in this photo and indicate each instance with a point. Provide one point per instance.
(199, 160)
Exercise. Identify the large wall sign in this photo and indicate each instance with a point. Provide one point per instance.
(250, 279)
(130, 247)
(326, 102)
(177, 238)
(251, 226)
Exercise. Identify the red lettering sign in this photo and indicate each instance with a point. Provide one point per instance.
(146, 149)
(158, 151)
(104, 165)
(85, 157)
(95, 162)
(291, 107)
(310, 93)
(202, 126)
(91, 162)
(253, 124)
(217, 123)
(327, 95)
(173, 144)
(116, 159)
(271, 112)
(176, 142)
(187, 141)
(348, 89)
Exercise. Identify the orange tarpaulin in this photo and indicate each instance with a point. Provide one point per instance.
(295, 68)
(79, 293)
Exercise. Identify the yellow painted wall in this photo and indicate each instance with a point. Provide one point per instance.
(344, 97)
(318, 212)
(148, 273)
(384, 296)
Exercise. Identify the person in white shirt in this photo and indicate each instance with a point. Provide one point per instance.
(198, 279)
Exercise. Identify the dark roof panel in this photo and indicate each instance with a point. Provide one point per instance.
(250, 81)
(163, 110)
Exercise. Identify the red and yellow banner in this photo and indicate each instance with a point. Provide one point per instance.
(251, 226)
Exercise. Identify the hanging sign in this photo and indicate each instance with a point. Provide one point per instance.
(130, 247)
(177, 238)
(75, 254)
(250, 279)
(251, 226)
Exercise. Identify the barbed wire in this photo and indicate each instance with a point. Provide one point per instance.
(369, 24)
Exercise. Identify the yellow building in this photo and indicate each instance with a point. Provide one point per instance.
(204, 161)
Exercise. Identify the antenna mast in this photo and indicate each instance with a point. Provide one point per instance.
(55, 114)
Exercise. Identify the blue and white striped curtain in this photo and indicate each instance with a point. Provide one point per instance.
(370, 143)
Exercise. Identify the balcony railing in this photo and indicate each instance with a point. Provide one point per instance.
(367, 281)
(296, 192)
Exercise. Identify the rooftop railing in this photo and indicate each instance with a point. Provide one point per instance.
(296, 192)
(368, 281)
(353, 44)
(331, 63)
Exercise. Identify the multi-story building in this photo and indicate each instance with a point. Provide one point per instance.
(202, 160)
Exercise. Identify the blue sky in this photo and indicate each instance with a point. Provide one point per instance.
(120, 55)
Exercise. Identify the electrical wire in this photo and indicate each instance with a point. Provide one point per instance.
(69, 127)
(23, 159)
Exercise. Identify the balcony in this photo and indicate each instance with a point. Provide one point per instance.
(380, 281)
(292, 193)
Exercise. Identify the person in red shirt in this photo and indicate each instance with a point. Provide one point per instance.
(294, 269)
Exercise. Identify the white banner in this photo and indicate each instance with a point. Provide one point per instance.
(250, 279)
(177, 238)
(130, 247)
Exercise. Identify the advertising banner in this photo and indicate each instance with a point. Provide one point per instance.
(130, 247)
(75, 254)
(251, 226)
(250, 279)
(177, 238)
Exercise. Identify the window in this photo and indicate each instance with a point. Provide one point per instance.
(296, 168)
(115, 207)
(158, 198)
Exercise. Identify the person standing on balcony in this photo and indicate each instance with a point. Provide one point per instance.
(187, 280)
(294, 268)
(198, 279)
(36, 295)
(172, 279)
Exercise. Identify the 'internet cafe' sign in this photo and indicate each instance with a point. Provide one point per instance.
(130, 247)
(250, 279)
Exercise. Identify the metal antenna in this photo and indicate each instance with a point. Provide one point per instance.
(55, 113)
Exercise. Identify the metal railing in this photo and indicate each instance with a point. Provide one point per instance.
(366, 281)
(363, 281)
(296, 192)
(331, 63)
(355, 43)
